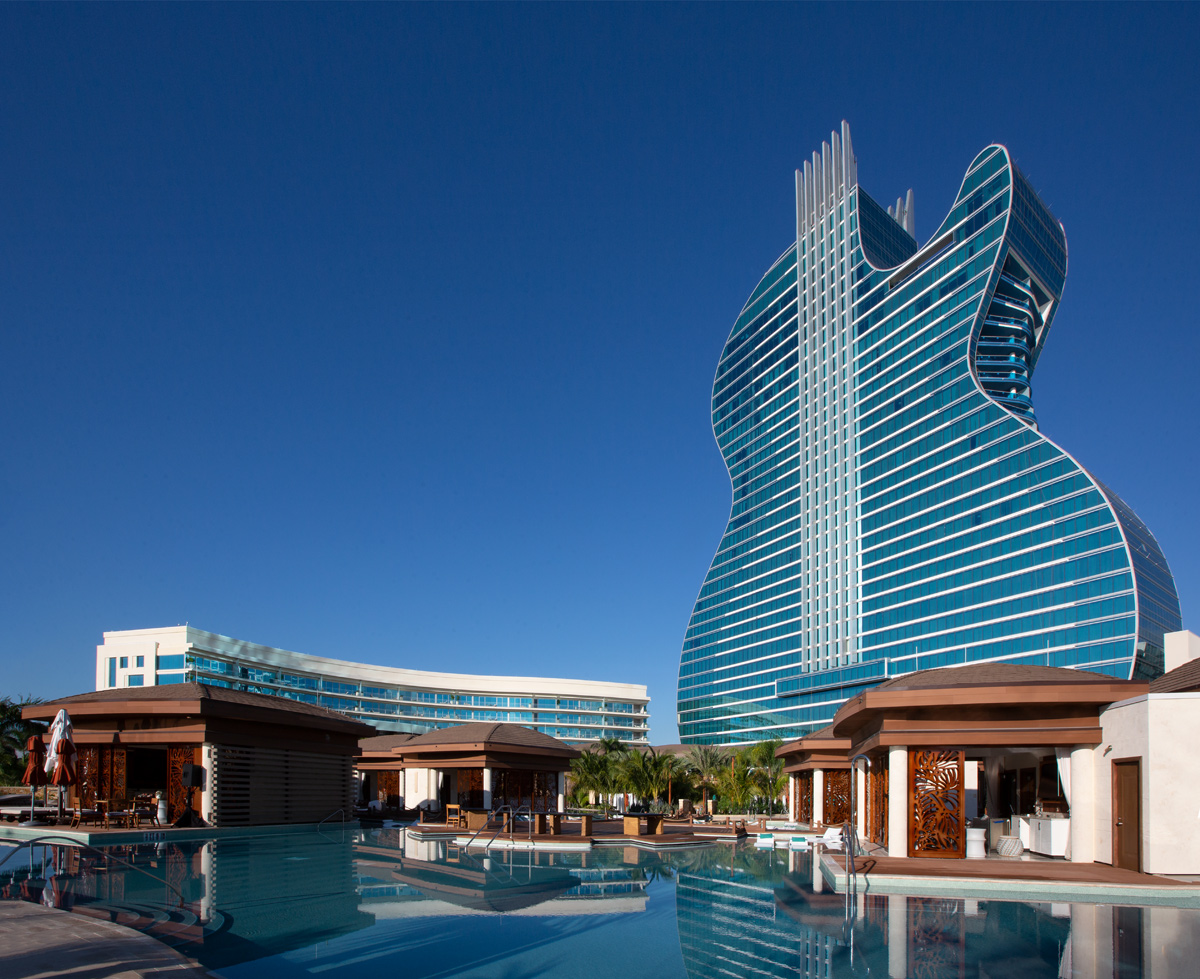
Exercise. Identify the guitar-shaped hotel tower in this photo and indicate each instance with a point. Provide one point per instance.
(895, 506)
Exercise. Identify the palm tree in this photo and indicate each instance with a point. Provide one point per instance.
(611, 745)
(706, 762)
(614, 752)
(767, 771)
(636, 773)
(15, 731)
(648, 774)
(735, 784)
(590, 773)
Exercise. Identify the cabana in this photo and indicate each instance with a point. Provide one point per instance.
(1147, 790)
(473, 766)
(380, 776)
(1032, 731)
(236, 758)
(818, 770)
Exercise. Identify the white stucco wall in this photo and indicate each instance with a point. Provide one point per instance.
(1162, 730)
(1124, 734)
(1180, 648)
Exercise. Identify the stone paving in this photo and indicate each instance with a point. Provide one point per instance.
(37, 942)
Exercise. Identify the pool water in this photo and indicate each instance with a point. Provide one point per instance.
(374, 903)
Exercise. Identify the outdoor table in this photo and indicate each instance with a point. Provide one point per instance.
(654, 824)
(549, 823)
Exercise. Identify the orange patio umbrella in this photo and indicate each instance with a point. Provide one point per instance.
(35, 773)
(64, 763)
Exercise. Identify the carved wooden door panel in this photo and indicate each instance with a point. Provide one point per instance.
(120, 788)
(178, 755)
(837, 797)
(109, 779)
(877, 815)
(470, 788)
(936, 826)
(389, 788)
(806, 797)
(88, 768)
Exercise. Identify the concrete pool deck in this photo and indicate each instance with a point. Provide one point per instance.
(1010, 880)
(37, 942)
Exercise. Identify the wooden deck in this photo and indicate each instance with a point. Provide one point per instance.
(604, 832)
(1059, 871)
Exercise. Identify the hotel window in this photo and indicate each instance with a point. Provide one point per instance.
(139, 662)
(134, 680)
(112, 671)
(124, 662)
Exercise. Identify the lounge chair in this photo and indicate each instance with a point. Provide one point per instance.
(799, 843)
(832, 838)
(765, 841)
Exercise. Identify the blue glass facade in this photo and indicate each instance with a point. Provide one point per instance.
(389, 707)
(895, 505)
(391, 699)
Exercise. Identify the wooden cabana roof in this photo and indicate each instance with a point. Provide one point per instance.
(982, 705)
(383, 743)
(182, 713)
(1182, 679)
(475, 745)
(820, 749)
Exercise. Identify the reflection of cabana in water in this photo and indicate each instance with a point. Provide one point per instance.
(475, 766)
(818, 771)
(470, 883)
(252, 759)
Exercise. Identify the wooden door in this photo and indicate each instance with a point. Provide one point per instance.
(936, 824)
(1127, 814)
(805, 801)
(837, 796)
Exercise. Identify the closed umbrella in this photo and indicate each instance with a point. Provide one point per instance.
(61, 728)
(64, 768)
(35, 768)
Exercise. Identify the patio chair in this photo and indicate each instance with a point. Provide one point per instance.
(117, 812)
(765, 841)
(799, 843)
(832, 838)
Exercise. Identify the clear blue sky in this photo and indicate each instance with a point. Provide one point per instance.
(388, 332)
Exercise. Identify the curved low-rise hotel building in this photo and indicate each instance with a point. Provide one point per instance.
(388, 698)
(895, 505)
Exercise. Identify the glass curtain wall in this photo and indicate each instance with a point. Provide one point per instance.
(895, 505)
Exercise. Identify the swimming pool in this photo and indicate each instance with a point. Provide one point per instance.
(367, 903)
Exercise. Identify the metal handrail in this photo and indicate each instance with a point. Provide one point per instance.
(514, 813)
(336, 812)
(851, 842)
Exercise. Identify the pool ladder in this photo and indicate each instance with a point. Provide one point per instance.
(852, 846)
(513, 813)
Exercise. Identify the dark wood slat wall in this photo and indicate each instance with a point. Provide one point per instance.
(255, 786)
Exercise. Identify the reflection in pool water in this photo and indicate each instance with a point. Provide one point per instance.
(374, 901)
